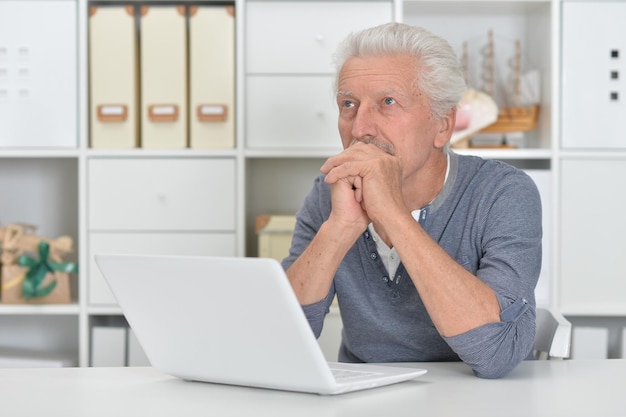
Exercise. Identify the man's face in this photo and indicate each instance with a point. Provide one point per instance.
(379, 102)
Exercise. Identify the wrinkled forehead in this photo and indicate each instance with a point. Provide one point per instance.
(381, 71)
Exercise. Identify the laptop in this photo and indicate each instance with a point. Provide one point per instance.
(230, 321)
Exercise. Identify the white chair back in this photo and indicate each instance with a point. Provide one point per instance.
(554, 335)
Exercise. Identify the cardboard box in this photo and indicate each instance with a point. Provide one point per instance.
(33, 271)
(13, 277)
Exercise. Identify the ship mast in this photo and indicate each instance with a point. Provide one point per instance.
(488, 67)
(465, 63)
(517, 77)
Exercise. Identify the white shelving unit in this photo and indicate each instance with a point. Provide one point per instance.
(285, 128)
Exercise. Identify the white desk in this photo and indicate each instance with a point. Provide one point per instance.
(541, 388)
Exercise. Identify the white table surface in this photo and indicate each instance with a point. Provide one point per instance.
(536, 388)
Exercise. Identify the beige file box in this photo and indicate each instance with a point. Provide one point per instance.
(163, 57)
(113, 77)
(274, 233)
(212, 76)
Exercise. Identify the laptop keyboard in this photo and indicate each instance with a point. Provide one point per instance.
(343, 375)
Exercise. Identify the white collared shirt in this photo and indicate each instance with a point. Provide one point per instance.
(388, 255)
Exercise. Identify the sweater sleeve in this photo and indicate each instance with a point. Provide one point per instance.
(495, 349)
(316, 312)
(510, 264)
(312, 214)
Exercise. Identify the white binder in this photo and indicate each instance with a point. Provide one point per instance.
(113, 77)
(212, 76)
(108, 346)
(163, 77)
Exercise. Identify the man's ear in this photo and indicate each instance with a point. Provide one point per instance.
(446, 128)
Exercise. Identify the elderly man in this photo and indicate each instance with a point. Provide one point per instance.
(432, 256)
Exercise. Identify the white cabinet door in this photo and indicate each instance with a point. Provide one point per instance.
(161, 194)
(291, 113)
(592, 230)
(169, 206)
(38, 74)
(301, 36)
(594, 75)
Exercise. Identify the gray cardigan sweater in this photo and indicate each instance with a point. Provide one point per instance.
(488, 218)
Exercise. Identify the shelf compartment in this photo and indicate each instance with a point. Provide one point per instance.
(468, 22)
(50, 336)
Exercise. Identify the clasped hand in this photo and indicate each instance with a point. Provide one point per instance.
(366, 183)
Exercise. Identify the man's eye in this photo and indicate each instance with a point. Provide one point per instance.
(389, 101)
(348, 104)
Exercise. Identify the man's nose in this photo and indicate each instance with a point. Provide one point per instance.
(364, 124)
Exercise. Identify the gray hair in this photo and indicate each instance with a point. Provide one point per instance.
(439, 76)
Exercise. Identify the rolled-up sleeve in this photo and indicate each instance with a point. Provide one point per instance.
(494, 349)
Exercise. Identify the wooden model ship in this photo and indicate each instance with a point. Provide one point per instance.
(480, 122)
(516, 117)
